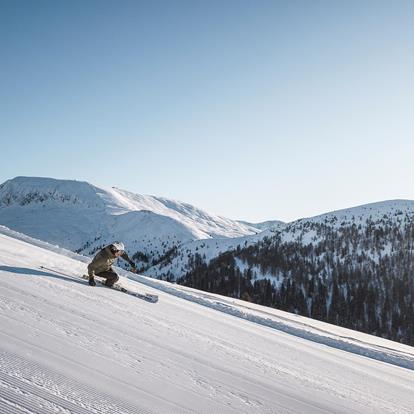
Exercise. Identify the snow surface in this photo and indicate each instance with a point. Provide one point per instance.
(395, 211)
(84, 217)
(208, 249)
(266, 225)
(360, 214)
(68, 348)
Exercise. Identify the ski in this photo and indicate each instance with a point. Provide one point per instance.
(145, 296)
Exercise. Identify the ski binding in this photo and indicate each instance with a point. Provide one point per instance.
(145, 296)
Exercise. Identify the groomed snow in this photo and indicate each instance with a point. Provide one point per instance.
(68, 348)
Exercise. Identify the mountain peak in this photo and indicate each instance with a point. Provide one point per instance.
(358, 214)
(78, 214)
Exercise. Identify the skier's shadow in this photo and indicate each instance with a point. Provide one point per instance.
(34, 272)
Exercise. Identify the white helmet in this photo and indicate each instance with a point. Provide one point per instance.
(118, 246)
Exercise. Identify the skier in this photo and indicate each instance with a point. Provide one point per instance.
(101, 264)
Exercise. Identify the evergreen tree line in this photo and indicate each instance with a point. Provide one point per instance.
(359, 277)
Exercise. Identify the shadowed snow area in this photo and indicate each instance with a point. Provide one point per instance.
(66, 347)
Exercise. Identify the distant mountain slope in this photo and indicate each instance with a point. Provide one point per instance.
(375, 212)
(302, 231)
(179, 260)
(266, 225)
(353, 267)
(66, 347)
(84, 217)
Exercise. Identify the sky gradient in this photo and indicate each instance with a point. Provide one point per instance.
(254, 110)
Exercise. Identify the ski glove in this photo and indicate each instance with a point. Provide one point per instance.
(92, 281)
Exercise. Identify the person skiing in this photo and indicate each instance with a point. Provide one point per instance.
(101, 264)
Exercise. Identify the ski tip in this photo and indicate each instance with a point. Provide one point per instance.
(151, 298)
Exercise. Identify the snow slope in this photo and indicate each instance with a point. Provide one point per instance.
(84, 217)
(373, 214)
(266, 225)
(376, 214)
(68, 348)
(176, 264)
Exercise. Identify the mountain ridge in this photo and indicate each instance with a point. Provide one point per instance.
(76, 214)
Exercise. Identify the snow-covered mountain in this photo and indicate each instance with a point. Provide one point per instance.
(179, 260)
(83, 217)
(352, 267)
(360, 215)
(68, 348)
(301, 231)
(265, 225)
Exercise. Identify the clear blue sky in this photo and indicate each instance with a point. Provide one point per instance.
(250, 109)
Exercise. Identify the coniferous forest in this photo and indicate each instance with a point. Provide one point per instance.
(355, 276)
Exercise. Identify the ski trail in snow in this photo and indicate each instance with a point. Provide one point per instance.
(38, 389)
(295, 328)
(216, 388)
(29, 387)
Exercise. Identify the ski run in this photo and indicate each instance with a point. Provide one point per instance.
(66, 347)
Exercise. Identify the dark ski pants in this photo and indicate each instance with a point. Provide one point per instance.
(110, 276)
